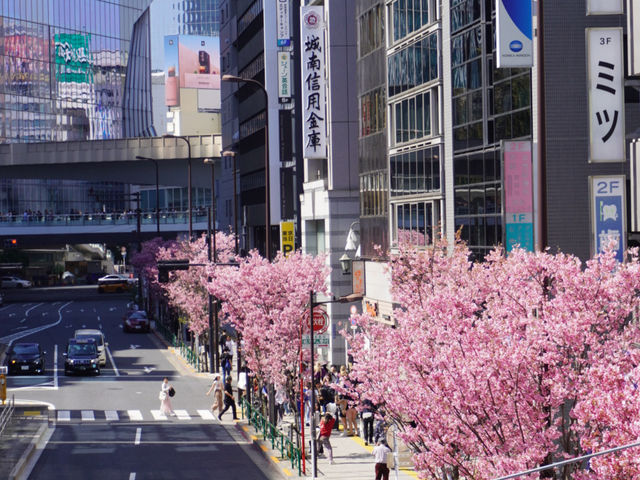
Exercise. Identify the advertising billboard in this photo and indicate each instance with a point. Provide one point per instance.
(604, 7)
(73, 58)
(608, 213)
(514, 34)
(190, 62)
(518, 195)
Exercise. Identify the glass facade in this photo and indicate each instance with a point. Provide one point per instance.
(62, 78)
(489, 105)
(407, 16)
(414, 65)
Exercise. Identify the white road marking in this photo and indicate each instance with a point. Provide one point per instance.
(35, 306)
(158, 415)
(9, 339)
(55, 366)
(12, 315)
(134, 414)
(132, 476)
(115, 369)
(182, 415)
(206, 414)
(99, 319)
(87, 416)
(111, 415)
(149, 369)
(64, 415)
(138, 436)
(23, 320)
(133, 347)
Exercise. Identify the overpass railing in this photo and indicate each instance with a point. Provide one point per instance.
(99, 218)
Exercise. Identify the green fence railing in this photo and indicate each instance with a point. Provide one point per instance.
(185, 351)
(270, 433)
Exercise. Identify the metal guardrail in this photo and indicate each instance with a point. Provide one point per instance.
(6, 413)
(98, 218)
(185, 351)
(270, 433)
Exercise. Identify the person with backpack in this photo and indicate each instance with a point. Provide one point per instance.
(225, 360)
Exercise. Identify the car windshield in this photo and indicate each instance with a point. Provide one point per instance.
(82, 349)
(25, 349)
(97, 338)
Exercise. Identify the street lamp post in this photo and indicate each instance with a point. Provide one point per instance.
(229, 153)
(189, 200)
(312, 305)
(258, 85)
(213, 255)
(155, 163)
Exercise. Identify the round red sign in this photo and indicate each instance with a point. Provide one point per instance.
(320, 320)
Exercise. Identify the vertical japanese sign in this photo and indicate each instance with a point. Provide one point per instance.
(518, 195)
(284, 77)
(608, 213)
(633, 37)
(606, 94)
(514, 33)
(604, 7)
(284, 37)
(287, 238)
(313, 82)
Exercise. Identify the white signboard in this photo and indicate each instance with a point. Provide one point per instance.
(319, 340)
(313, 82)
(633, 37)
(284, 77)
(284, 37)
(604, 7)
(514, 34)
(606, 94)
(608, 212)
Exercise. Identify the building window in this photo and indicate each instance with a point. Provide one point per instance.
(414, 65)
(373, 194)
(315, 236)
(411, 118)
(371, 29)
(372, 112)
(407, 16)
(463, 13)
(415, 222)
(417, 171)
(252, 125)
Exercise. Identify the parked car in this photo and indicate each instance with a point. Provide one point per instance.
(113, 283)
(14, 282)
(136, 321)
(98, 337)
(25, 358)
(81, 356)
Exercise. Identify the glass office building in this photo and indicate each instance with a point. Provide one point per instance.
(63, 65)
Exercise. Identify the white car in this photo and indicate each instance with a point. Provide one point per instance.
(14, 282)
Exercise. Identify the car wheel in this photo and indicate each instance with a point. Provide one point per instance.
(19, 285)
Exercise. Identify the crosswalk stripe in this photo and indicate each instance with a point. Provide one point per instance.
(135, 415)
(206, 414)
(158, 415)
(111, 415)
(182, 415)
(87, 416)
(64, 415)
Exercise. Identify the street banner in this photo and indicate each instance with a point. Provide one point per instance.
(282, 16)
(606, 94)
(284, 77)
(608, 213)
(605, 7)
(514, 34)
(314, 132)
(518, 194)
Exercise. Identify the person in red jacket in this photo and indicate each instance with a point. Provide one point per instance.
(326, 425)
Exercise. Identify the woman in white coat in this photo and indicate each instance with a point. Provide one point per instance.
(165, 399)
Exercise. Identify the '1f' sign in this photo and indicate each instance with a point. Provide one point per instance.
(606, 95)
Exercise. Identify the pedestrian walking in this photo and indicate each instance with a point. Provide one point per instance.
(228, 399)
(216, 388)
(367, 420)
(165, 398)
(326, 425)
(380, 452)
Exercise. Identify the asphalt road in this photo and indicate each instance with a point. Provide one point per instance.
(109, 426)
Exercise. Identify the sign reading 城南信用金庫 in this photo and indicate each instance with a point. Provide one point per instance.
(314, 133)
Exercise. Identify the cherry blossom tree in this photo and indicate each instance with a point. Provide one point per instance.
(509, 364)
(145, 263)
(266, 302)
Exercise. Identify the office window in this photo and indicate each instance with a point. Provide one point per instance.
(411, 118)
(415, 222)
(371, 30)
(372, 112)
(415, 172)
(414, 65)
(407, 16)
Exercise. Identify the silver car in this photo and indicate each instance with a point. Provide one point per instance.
(98, 337)
(14, 282)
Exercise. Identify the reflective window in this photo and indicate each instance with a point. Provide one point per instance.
(407, 16)
(414, 223)
(371, 30)
(374, 193)
(411, 118)
(414, 172)
(372, 112)
(414, 65)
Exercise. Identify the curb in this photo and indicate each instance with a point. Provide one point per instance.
(19, 468)
(264, 449)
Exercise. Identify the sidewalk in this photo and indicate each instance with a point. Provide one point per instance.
(352, 459)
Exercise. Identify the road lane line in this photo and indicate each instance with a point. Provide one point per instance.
(88, 416)
(138, 436)
(23, 320)
(9, 339)
(113, 364)
(64, 415)
(206, 414)
(158, 415)
(55, 366)
(132, 476)
(111, 415)
(134, 415)
(35, 306)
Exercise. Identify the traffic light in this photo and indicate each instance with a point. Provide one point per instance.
(10, 243)
(166, 266)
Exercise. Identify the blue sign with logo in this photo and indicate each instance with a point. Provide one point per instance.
(609, 214)
(514, 33)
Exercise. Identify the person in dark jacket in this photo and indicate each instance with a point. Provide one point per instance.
(228, 399)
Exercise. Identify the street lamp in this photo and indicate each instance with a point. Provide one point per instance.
(213, 255)
(232, 154)
(258, 85)
(155, 163)
(168, 135)
(312, 305)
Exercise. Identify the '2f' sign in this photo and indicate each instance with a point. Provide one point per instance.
(608, 187)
